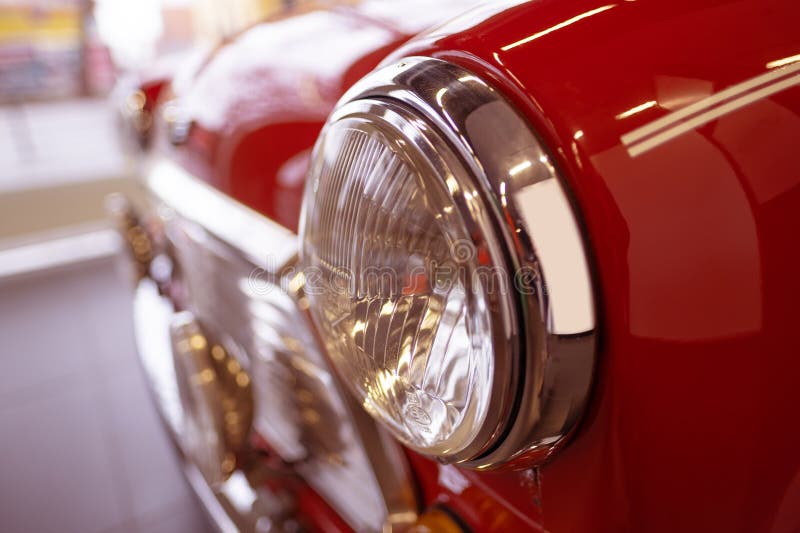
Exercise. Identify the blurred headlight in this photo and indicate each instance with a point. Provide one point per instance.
(216, 398)
(421, 273)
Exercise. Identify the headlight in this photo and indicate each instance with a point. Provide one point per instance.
(424, 274)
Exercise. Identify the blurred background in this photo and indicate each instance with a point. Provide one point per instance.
(81, 448)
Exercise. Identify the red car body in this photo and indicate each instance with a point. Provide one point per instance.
(675, 126)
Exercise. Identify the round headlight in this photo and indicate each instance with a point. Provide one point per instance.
(393, 268)
(413, 268)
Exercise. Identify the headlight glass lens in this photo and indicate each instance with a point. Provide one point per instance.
(394, 281)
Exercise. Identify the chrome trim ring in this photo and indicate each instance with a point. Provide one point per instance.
(552, 348)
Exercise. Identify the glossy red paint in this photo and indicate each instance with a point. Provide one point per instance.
(494, 501)
(693, 421)
(317, 514)
(152, 90)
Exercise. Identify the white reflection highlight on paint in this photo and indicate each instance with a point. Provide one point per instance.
(564, 24)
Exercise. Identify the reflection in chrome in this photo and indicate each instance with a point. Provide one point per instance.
(546, 211)
(216, 399)
(506, 188)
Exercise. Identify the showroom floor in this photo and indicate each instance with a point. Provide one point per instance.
(81, 446)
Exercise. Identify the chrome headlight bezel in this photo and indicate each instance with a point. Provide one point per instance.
(544, 335)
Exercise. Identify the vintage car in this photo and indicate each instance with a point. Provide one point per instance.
(534, 268)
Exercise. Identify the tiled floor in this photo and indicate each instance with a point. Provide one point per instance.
(81, 447)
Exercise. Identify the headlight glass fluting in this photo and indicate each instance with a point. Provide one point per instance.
(397, 281)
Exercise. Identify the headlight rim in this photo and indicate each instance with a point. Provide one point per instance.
(552, 394)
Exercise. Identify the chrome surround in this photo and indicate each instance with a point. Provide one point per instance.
(235, 272)
(549, 349)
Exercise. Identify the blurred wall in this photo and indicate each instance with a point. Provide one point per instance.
(41, 47)
(218, 19)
